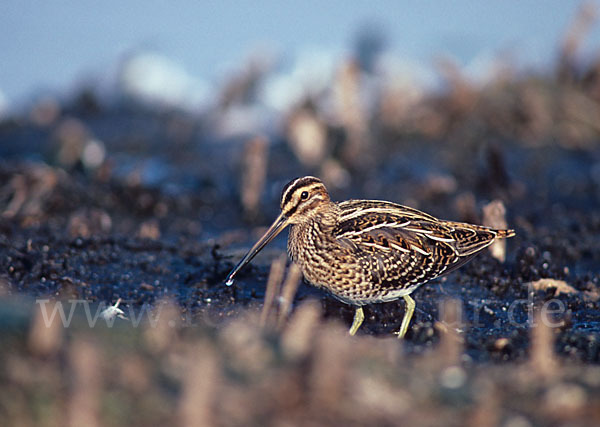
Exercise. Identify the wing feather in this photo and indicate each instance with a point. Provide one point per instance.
(401, 243)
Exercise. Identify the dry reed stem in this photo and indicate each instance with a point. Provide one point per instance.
(18, 185)
(164, 320)
(351, 113)
(542, 359)
(273, 284)
(45, 339)
(288, 291)
(200, 387)
(83, 406)
(331, 358)
(256, 155)
(487, 410)
(494, 215)
(579, 28)
(297, 338)
(451, 344)
(307, 136)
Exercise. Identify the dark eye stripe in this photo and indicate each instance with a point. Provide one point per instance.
(305, 207)
(291, 211)
(310, 205)
(291, 188)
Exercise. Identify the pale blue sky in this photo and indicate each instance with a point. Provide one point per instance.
(49, 44)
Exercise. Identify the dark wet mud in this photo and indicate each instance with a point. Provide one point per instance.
(166, 222)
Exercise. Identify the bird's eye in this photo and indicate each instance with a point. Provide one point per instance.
(304, 195)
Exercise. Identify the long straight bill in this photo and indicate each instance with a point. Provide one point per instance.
(280, 223)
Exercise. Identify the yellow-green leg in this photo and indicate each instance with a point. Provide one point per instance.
(410, 308)
(359, 316)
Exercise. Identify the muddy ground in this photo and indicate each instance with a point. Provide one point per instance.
(154, 207)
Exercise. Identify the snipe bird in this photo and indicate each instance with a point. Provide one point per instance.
(368, 251)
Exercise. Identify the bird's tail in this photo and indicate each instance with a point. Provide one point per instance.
(504, 234)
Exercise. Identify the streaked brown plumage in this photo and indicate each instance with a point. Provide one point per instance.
(369, 251)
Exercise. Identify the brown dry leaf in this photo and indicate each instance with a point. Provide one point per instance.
(149, 230)
(561, 286)
(593, 295)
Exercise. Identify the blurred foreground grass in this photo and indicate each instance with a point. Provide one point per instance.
(304, 371)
